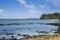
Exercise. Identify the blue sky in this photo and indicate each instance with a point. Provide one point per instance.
(27, 8)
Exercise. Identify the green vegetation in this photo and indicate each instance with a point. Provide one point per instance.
(50, 16)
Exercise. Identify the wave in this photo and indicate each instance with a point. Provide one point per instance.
(19, 24)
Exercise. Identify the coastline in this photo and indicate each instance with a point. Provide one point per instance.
(55, 36)
(35, 37)
(55, 24)
(43, 37)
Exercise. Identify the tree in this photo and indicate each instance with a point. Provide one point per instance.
(50, 16)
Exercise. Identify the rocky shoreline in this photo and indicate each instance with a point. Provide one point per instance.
(55, 24)
(55, 36)
(38, 37)
(43, 37)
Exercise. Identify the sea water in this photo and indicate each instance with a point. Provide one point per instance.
(27, 27)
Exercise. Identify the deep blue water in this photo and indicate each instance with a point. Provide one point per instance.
(30, 27)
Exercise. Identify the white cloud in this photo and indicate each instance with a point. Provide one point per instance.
(55, 3)
(33, 11)
(1, 10)
(31, 7)
(42, 6)
(22, 2)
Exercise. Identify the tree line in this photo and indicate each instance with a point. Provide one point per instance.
(55, 15)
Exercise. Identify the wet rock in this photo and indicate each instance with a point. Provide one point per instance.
(19, 34)
(2, 24)
(3, 38)
(9, 33)
(4, 30)
(26, 35)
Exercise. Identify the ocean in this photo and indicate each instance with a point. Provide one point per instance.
(9, 27)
